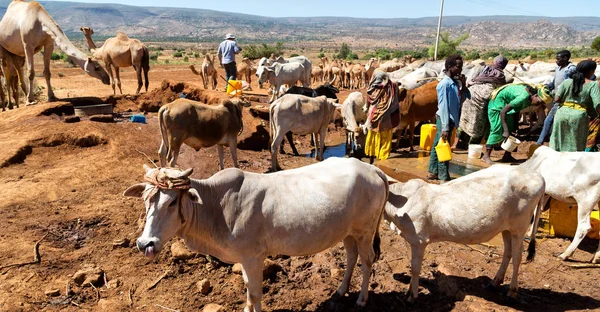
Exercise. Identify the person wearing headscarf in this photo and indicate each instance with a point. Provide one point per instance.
(473, 117)
(576, 97)
(505, 104)
(383, 115)
(451, 92)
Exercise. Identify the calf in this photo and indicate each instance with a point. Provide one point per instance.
(199, 125)
(353, 117)
(301, 115)
(243, 217)
(505, 202)
(279, 74)
(571, 177)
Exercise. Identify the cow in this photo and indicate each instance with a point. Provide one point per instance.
(507, 197)
(279, 74)
(301, 115)
(264, 62)
(354, 117)
(571, 177)
(243, 217)
(199, 125)
(417, 78)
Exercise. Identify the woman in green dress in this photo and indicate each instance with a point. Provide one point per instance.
(576, 96)
(503, 111)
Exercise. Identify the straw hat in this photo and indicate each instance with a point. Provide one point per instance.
(229, 36)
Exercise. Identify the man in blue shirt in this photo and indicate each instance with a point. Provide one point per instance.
(226, 54)
(451, 92)
(564, 70)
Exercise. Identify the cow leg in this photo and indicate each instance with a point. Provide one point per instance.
(290, 140)
(322, 142)
(173, 154)
(351, 259)
(367, 257)
(583, 226)
(417, 253)
(233, 151)
(499, 278)
(220, 151)
(517, 253)
(274, 146)
(252, 274)
(162, 153)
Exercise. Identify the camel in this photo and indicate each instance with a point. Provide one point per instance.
(12, 71)
(26, 28)
(119, 52)
(246, 69)
(208, 71)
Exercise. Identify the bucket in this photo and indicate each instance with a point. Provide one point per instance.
(510, 144)
(595, 221)
(427, 135)
(234, 88)
(444, 153)
(138, 118)
(475, 150)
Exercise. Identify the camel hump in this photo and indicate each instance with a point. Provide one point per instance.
(122, 36)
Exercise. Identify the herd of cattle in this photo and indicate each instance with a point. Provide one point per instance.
(243, 217)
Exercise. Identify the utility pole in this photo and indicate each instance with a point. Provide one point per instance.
(437, 38)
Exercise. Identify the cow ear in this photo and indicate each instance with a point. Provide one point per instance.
(147, 168)
(402, 94)
(135, 191)
(194, 196)
(277, 69)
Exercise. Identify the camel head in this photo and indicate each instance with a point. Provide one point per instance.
(87, 31)
(94, 69)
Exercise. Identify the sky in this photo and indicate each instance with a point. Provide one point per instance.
(382, 8)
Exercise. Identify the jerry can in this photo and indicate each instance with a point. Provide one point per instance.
(444, 153)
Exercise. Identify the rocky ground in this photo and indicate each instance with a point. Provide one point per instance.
(62, 186)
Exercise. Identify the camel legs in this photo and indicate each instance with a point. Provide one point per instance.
(48, 49)
(29, 51)
(138, 73)
(112, 78)
(118, 77)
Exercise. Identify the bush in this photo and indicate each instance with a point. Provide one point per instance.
(177, 54)
(254, 52)
(473, 55)
(55, 56)
(186, 59)
(596, 44)
(446, 45)
(64, 57)
(196, 54)
(166, 62)
(154, 56)
(321, 54)
(294, 54)
(352, 56)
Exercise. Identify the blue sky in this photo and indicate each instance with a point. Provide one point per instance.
(382, 9)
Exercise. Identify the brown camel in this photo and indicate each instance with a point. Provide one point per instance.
(12, 70)
(26, 28)
(118, 52)
(246, 69)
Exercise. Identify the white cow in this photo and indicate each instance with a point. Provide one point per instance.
(397, 75)
(243, 217)
(280, 74)
(295, 59)
(301, 115)
(417, 78)
(354, 116)
(571, 178)
(469, 210)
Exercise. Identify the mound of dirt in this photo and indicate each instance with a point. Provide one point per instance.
(169, 91)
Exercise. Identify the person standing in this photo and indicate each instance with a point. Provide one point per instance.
(503, 111)
(564, 70)
(226, 54)
(451, 92)
(576, 97)
(383, 115)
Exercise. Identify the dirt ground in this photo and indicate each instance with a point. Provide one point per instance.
(64, 182)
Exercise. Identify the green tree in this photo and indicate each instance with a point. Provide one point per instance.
(446, 45)
(596, 44)
(344, 51)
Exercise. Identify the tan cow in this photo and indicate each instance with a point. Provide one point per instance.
(199, 125)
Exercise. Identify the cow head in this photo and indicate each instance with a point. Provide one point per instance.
(266, 73)
(165, 194)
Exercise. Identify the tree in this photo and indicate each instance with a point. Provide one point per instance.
(596, 44)
(446, 45)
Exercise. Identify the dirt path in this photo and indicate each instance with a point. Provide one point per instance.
(66, 181)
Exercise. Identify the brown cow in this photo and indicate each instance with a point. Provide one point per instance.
(199, 125)
(416, 105)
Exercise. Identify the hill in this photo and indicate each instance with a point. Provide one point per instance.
(183, 24)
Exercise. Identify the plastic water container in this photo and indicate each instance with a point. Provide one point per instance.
(444, 153)
(427, 135)
(595, 221)
(138, 118)
(475, 150)
(234, 88)
(510, 144)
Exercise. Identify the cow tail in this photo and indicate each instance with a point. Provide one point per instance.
(536, 218)
(376, 238)
(163, 131)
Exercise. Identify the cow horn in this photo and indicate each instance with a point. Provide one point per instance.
(187, 172)
(332, 80)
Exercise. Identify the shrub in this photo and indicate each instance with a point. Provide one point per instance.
(154, 56)
(167, 62)
(55, 56)
(177, 54)
(186, 59)
(473, 55)
(596, 44)
(321, 54)
(64, 57)
(264, 50)
(446, 45)
(294, 54)
(196, 54)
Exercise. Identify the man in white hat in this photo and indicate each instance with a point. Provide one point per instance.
(226, 54)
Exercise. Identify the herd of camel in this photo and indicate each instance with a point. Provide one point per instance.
(27, 28)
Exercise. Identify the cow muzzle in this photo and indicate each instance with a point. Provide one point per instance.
(147, 247)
